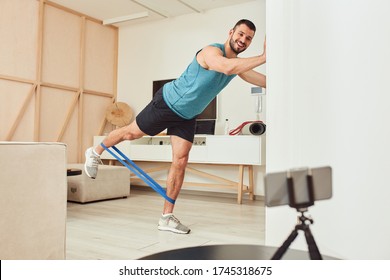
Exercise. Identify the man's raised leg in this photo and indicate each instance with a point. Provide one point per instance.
(92, 155)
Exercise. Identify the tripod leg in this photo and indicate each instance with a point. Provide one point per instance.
(313, 249)
(282, 249)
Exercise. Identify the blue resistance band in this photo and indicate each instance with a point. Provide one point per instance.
(138, 171)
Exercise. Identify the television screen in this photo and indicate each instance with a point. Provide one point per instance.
(210, 113)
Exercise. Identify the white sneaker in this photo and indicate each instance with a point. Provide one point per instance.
(92, 160)
(171, 223)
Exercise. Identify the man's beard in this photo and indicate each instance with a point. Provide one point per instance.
(234, 49)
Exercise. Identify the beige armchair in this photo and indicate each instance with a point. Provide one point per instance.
(33, 192)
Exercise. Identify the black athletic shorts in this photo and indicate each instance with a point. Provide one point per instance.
(157, 116)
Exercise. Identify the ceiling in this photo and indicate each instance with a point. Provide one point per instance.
(128, 12)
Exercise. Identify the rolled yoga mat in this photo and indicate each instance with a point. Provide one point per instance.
(254, 128)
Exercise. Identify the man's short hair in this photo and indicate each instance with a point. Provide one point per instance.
(247, 22)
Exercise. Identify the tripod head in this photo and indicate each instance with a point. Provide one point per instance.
(302, 219)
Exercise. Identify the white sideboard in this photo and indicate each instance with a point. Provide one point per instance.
(218, 149)
(243, 151)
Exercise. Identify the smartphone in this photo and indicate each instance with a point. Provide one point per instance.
(276, 189)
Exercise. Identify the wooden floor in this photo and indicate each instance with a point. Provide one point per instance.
(123, 229)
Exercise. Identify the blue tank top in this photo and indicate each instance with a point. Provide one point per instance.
(190, 94)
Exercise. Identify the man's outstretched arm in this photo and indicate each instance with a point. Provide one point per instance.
(254, 78)
(211, 58)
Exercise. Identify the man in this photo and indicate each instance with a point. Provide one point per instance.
(176, 105)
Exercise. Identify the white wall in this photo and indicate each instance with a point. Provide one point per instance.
(163, 49)
(328, 99)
